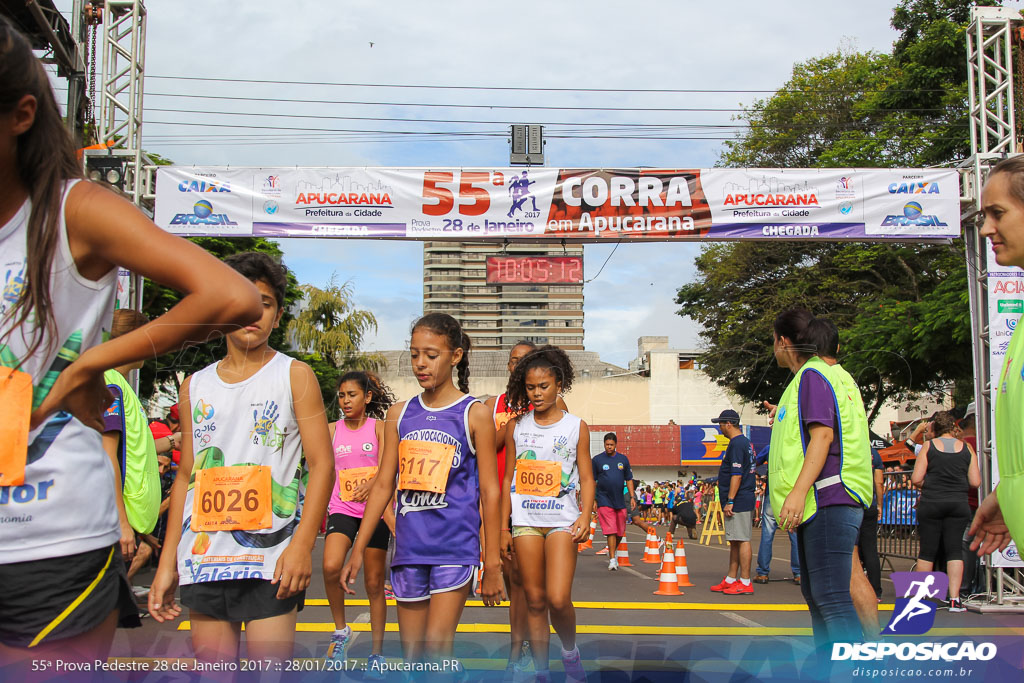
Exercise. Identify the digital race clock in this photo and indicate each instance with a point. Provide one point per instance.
(547, 270)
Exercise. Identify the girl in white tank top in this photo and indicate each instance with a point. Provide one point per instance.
(549, 493)
(60, 243)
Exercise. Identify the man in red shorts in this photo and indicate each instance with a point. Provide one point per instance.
(612, 473)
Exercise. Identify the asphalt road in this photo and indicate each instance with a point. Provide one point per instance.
(625, 632)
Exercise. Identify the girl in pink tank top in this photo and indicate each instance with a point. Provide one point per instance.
(364, 401)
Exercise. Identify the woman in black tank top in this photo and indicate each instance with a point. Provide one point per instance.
(946, 467)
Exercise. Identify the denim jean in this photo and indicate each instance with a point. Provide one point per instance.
(826, 554)
(764, 553)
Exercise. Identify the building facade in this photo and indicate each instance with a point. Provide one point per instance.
(496, 316)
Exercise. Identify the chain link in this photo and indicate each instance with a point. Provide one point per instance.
(91, 114)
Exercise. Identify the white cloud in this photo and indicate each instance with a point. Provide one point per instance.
(593, 44)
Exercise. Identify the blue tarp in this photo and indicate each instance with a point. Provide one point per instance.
(900, 507)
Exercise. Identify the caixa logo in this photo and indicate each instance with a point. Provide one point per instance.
(202, 214)
(913, 215)
(204, 186)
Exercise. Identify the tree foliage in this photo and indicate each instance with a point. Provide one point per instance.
(330, 329)
(902, 309)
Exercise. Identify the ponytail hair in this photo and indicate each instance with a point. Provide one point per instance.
(792, 324)
(463, 367)
(448, 327)
(45, 160)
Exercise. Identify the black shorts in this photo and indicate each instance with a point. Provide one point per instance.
(340, 523)
(35, 595)
(942, 524)
(239, 600)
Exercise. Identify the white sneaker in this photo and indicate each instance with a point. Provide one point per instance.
(613, 564)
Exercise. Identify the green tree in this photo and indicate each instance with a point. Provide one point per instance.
(902, 309)
(330, 329)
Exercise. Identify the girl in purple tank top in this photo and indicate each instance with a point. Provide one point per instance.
(364, 401)
(439, 450)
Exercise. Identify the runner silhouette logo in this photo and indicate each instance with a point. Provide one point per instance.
(914, 614)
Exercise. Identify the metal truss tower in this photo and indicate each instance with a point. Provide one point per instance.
(993, 137)
(119, 128)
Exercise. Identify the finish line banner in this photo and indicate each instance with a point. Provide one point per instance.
(577, 204)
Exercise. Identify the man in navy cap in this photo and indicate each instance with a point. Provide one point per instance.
(736, 489)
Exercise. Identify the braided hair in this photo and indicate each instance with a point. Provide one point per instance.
(381, 396)
(550, 358)
(448, 327)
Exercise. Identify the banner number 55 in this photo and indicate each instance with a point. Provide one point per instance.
(473, 200)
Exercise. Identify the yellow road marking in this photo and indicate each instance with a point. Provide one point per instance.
(595, 629)
(708, 606)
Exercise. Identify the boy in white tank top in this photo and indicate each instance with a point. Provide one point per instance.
(241, 522)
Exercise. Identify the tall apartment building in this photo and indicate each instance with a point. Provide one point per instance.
(497, 316)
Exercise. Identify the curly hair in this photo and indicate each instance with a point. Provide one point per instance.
(256, 266)
(548, 357)
(381, 396)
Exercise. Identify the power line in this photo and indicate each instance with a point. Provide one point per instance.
(523, 89)
(464, 105)
(433, 135)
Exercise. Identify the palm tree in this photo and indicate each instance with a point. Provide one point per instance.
(330, 326)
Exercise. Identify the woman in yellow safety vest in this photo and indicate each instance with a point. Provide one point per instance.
(819, 472)
(1001, 515)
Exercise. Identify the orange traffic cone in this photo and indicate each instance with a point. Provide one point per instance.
(668, 584)
(682, 573)
(589, 543)
(622, 554)
(651, 548)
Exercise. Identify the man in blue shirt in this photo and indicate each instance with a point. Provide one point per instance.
(736, 489)
(613, 476)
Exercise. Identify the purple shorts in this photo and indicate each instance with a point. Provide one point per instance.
(413, 582)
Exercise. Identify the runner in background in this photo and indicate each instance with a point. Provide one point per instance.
(539, 492)
(364, 401)
(517, 654)
(240, 519)
(60, 242)
(439, 446)
(167, 434)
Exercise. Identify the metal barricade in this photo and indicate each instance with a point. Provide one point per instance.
(897, 524)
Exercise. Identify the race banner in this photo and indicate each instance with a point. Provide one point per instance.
(1005, 306)
(549, 203)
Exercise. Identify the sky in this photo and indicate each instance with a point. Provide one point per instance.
(743, 50)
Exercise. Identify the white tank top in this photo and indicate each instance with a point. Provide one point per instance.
(557, 442)
(66, 505)
(248, 423)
